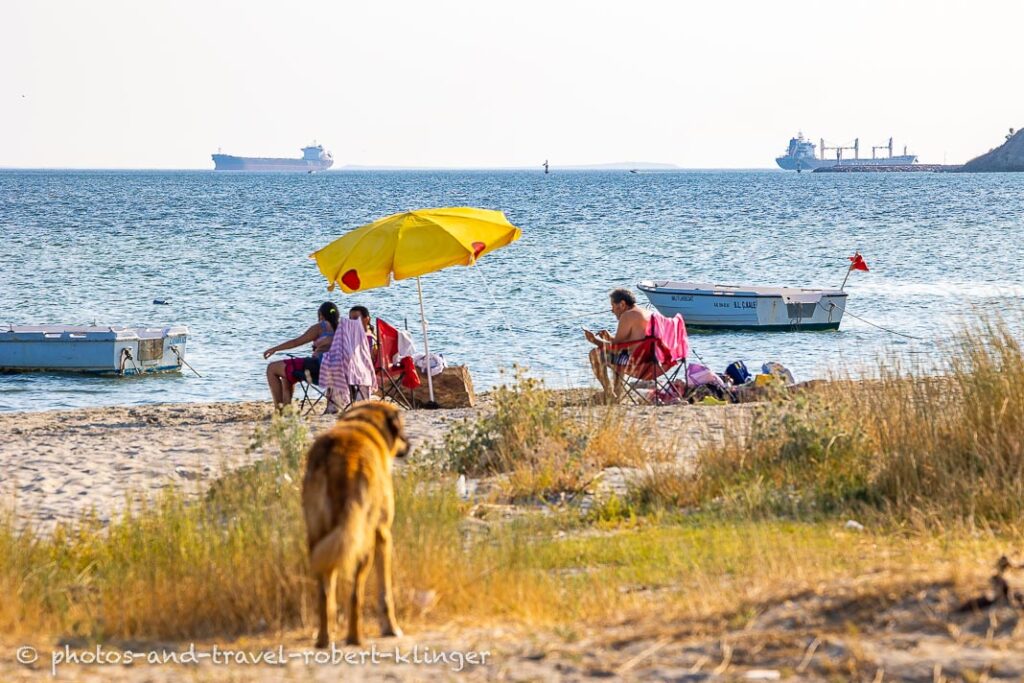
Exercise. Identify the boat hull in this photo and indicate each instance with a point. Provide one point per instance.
(93, 350)
(789, 163)
(226, 162)
(766, 309)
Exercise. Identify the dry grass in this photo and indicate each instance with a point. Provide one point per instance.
(174, 567)
(211, 570)
(542, 449)
(907, 446)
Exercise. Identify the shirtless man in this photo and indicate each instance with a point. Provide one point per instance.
(632, 327)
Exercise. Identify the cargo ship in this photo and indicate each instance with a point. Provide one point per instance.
(314, 158)
(801, 156)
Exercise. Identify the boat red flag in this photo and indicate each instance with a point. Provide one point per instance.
(857, 262)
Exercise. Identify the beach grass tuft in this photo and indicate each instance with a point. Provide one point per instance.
(542, 450)
(906, 446)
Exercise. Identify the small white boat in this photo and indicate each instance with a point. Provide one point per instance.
(102, 350)
(740, 307)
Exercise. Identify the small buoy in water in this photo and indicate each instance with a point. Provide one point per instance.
(162, 302)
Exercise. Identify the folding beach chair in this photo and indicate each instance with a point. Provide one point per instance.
(392, 377)
(650, 373)
(312, 395)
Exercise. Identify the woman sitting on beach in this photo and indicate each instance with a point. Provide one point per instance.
(283, 374)
(362, 314)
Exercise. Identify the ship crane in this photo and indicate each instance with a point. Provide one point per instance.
(889, 147)
(839, 149)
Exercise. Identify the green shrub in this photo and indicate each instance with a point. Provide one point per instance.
(539, 448)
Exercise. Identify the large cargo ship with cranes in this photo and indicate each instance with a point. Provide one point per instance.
(314, 158)
(801, 155)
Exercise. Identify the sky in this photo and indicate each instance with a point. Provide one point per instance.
(466, 84)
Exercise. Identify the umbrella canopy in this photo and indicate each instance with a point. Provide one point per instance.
(411, 244)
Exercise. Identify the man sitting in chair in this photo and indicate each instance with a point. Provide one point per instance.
(633, 323)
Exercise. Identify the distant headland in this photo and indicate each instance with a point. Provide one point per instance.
(1008, 157)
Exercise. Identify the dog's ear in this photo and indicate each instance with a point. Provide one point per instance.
(396, 425)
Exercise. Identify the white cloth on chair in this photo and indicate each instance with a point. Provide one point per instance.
(406, 347)
(348, 363)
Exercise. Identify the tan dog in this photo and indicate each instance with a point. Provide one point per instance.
(349, 504)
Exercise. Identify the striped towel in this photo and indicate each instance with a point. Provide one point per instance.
(348, 363)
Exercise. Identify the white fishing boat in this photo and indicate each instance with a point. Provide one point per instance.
(741, 307)
(101, 350)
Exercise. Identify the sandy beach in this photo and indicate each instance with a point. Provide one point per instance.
(57, 465)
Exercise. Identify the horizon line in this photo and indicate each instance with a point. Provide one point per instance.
(355, 168)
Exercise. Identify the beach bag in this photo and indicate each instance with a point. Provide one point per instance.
(410, 378)
(737, 372)
(698, 375)
(703, 382)
(718, 394)
(437, 364)
(778, 370)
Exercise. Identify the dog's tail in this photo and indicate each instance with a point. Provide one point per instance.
(340, 547)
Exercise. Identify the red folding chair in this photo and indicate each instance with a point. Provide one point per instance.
(650, 373)
(396, 380)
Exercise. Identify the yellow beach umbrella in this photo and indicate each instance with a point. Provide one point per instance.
(412, 244)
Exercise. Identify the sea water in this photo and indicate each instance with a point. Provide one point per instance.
(229, 252)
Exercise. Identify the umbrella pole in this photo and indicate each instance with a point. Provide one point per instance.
(426, 344)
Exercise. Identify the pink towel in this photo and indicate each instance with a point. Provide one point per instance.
(672, 334)
(348, 363)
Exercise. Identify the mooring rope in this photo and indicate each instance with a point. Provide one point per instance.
(181, 358)
(865, 320)
(885, 329)
(127, 354)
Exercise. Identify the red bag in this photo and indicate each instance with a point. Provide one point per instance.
(410, 378)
